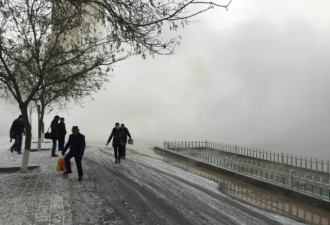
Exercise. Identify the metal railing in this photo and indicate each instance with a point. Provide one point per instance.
(257, 198)
(272, 173)
(285, 159)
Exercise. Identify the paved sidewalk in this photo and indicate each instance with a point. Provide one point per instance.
(44, 196)
(41, 196)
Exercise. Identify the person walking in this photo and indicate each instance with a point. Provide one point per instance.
(16, 132)
(126, 133)
(77, 145)
(117, 134)
(55, 134)
(61, 135)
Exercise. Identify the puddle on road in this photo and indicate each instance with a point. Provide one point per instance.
(257, 196)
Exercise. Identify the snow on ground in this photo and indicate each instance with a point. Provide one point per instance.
(210, 186)
(9, 159)
(142, 189)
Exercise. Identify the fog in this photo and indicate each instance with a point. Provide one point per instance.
(255, 75)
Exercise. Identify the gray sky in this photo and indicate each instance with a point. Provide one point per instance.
(257, 75)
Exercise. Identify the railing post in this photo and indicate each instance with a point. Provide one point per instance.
(297, 181)
(321, 188)
(263, 154)
(313, 178)
(316, 163)
(282, 158)
(290, 179)
(287, 159)
(322, 165)
(329, 189)
(311, 162)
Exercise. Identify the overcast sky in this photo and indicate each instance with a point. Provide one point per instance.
(257, 75)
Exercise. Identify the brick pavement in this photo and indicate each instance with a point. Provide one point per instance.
(41, 196)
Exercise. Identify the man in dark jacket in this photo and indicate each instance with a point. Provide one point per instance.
(126, 133)
(55, 133)
(16, 132)
(62, 133)
(117, 134)
(77, 146)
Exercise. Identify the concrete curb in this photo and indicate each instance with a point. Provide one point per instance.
(42, 149)
(15, 168)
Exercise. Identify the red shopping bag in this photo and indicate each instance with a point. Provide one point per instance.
(60, 164)
(63, 166)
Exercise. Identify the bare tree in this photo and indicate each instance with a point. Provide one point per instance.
(46, 44)
(62, 96)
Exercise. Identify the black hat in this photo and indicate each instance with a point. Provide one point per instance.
(75, 128)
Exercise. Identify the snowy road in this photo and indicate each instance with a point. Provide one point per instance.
(144, 190)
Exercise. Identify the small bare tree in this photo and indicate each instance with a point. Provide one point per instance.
(62, 96)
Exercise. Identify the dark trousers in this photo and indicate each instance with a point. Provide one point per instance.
(117, 151)
(61, 141)
(17, 146)
(78, 163)
(124, 150)
(54, 146)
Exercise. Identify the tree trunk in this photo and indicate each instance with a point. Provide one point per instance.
(28, 139)
(41, 113)
(43, 132)
(30, 118)
(39, 128)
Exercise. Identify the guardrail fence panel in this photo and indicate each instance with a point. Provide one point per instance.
(271, 169)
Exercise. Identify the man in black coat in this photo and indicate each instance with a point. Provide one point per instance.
(55, 132)
(117, 134)
(61, 135)
(77, 146)
(16, 132)
(126, 133)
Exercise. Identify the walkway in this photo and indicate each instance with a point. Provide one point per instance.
(140, 190)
